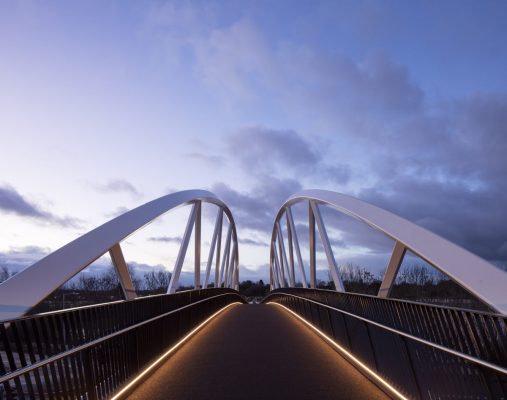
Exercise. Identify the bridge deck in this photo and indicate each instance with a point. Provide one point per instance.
(256, 352)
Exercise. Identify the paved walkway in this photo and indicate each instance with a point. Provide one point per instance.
(256, 352)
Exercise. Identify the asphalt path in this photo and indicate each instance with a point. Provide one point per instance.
(256, 351)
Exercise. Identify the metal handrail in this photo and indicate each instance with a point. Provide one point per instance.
(398, 332)
(108, 303)
(411, 302)
(92, 343)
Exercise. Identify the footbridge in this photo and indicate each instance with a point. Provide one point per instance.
(298, 342)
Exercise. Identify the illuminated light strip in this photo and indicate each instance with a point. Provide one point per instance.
(348, 355)
(171, 350)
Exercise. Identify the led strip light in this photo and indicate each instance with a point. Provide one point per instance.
(357, 362)
(130, 385)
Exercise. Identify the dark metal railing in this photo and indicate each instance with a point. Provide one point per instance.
(425, 352)
(90, 352)
(479, 334)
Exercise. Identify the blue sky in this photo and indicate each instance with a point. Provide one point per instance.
(105, 105)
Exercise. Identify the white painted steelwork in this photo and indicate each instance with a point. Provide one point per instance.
(474, 274)
(28, 287)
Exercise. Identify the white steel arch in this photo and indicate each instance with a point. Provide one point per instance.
(28, 287)
(476, 275)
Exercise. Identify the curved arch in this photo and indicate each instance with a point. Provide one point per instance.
(473, 273)
(30, 286)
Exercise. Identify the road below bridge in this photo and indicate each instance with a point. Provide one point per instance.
(256, 352)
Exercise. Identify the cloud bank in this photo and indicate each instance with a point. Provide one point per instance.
(12, 202)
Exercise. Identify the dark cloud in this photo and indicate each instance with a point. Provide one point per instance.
(142, 268)
(473, 219)
(355, 96)
(14, 203)
(448, 174)
(445, 171)
(253, 242)
(166, 239)
(440, 163)
(11, 201)
(119, 185)
(18, 258)
(284, 153)
(354, 233)
(256, 209)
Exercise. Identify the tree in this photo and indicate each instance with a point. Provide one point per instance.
(108, 280)
(5, 273)
(136, 281)
(157, 280)
(88, 283)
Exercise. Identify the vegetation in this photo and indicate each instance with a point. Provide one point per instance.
(416, 283)
(5, 274)
(252, 290)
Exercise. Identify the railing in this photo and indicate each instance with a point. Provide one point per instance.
(91, 352)
(27, 288)
(483, 280)
(424, 352)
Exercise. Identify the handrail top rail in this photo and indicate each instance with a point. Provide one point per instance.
(401, 333)
(396, 300)
(97, 305)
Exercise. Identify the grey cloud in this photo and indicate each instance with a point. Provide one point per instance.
(253, 242)
(14, 203)
(256, 208)
(258, 148)
(353, 96)
(166, 239)
(473, 219)
(441, 164)
(142, 268)
(268, 151)
(119, 185)
(238, 60)
(345, 233)
(11, 201)
(18, 258)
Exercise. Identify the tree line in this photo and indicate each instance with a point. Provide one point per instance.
(416, 282)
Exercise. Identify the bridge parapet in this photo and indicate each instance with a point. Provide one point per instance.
(412, 350)
(91, 352)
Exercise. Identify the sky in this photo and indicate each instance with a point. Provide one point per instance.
(105, 105)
